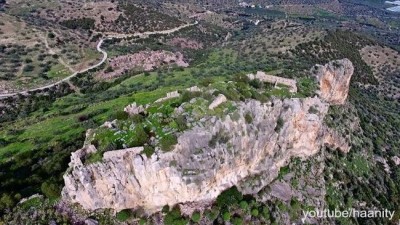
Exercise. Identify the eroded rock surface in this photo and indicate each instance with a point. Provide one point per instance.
(334, 79)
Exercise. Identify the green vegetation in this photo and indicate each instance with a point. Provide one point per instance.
(307, 86)
(196, 217)
(138, 18)
(148, 151)
(254, 212)
(161, 122)
(19, 62)
(124, 215)
(51, 189)
(168, 142)
(338, 45)
(362, 178)
(234, 207)
(279, 124)
(226, 216)
(229, 198)
(174, 217)
(283, 171)
(248, 118)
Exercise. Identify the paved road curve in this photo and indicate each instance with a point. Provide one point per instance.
(105, 56)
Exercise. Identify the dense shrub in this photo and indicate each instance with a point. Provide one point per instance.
(248, 118)
(168, 142)
(174, 217)
(229, 197)
(124, 215)
(279, 124)
(80, 23)
(50, 189)
(196, 217)
(29, 68)
(148, 150)
(140, 138)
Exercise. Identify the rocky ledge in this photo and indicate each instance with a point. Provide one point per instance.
(258, 138)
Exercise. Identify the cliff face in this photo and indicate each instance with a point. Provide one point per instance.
(209, 158)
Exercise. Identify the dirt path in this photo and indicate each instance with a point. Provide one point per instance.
(109, 36)
(60, 60)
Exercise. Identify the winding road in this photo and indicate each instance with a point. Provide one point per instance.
(105, 56)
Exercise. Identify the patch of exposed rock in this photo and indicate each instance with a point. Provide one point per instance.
(170, 95)
(134, 109)
(144, 60)
(334, 80)
(209, 158)
(176, 94)
(218, 101)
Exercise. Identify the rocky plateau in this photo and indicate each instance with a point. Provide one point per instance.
(196, 171)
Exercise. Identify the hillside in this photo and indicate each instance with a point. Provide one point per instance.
(198, 112)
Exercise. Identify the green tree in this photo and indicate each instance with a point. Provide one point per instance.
(6, 201)
(226, 216)
(229, 197)
(244, 205)
(254, 212)
(237, 221)
(213, 213)
(174, 217)
(50, 189)
(265, 213)
(196, 216)
(124, 215)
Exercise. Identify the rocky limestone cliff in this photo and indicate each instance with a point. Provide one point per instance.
(334, 79)
(209, 158)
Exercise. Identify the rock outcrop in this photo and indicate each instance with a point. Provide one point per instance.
(134, 109)
(209, 158)
(218, 101)
(170, 95)
(334, 79)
